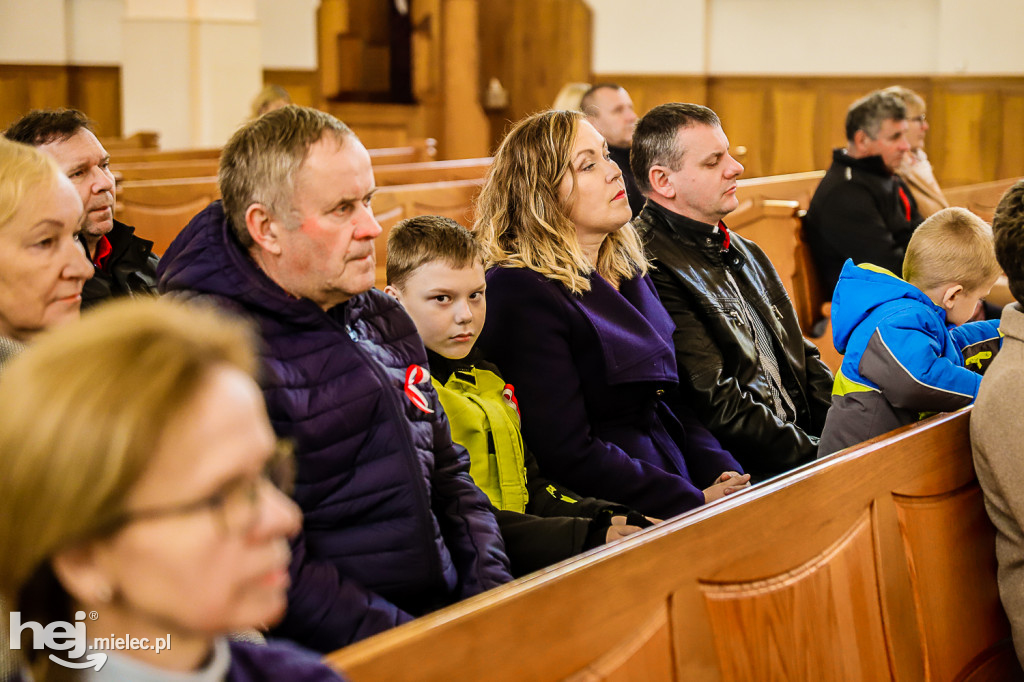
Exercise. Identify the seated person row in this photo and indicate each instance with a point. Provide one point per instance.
(744, 366)
(435, 269)
(578, 329)
(862, 209)
(124, 263)
(393, 525)
(909, 348)
(160, 519)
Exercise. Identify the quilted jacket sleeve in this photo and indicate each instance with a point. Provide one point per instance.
(326, 610)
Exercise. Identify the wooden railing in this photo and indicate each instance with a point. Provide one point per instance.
(877, 563)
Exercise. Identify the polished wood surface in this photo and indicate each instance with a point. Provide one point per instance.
(876, 563)
(431, 171)
(160, 209)
(981, 198)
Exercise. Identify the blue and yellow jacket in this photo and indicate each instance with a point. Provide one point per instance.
(902, 361)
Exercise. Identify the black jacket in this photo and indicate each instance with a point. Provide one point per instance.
(620, 155)
(558, 523)
(129, 270)
(859, 212)
(720, 376)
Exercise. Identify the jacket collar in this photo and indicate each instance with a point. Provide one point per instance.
(869, 164)
(633, 329)
(687, 227)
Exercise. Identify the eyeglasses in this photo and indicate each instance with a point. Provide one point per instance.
(918, 119)
(237, 505)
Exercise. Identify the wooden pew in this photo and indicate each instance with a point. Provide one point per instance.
(418, 151)
(159, 209)
(798, 187)
(877, 563)
(776, 226)
(431, 171)
(981, 198)
(387, 174)
(146, 139)
(453, 199)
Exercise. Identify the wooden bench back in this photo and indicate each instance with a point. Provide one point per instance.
(776, 226)
(874, 564)
(160, 209)
(418, 151)
(453, 199)
(431, 171)
(981, 198)
(798, 187)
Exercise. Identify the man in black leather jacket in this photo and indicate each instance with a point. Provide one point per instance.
(744, 365)
(125, 264)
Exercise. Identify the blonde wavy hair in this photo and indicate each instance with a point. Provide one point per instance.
(523, 223)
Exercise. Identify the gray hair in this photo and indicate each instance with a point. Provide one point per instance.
(259, 162)
(869, 112)
(654, 139)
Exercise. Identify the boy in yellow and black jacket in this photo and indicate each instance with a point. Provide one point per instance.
(435, 269)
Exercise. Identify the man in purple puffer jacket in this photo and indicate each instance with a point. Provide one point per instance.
(393, 525)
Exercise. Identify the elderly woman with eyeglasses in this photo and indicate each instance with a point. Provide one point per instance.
(146, 497)
(916, 169)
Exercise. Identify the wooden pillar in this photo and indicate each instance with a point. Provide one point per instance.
(465, 127)
(190, 68)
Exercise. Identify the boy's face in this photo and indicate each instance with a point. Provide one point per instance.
(447, 304)
(961, 307)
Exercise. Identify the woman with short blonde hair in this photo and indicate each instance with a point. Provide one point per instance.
(145, 496)
(576, 326)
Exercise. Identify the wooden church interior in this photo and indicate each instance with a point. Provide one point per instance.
(875, 563)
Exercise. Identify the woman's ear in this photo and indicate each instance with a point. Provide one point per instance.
(79, 570)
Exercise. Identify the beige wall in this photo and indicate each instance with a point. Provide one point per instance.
(32, 32)
(809, 37)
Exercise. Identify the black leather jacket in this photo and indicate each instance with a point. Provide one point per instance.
(719, 373)
(130, 269)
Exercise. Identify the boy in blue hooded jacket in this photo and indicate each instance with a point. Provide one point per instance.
(909, 350)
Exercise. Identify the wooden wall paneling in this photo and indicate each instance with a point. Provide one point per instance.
(96, 90)
(465, 130)
(792, 119)
(964, 127)
(648, 91)
(30, 86)
(1011, 158)
(303, 85)
(382, 125)
(742, 105)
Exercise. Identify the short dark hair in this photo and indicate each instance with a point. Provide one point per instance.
(414, 242)
(1008, 229)
(868, 112)
(654, 139)
(587, 101)
(43, 126)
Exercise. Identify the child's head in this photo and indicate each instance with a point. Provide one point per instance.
(435, 269)
(1008, 226)
(951, 259)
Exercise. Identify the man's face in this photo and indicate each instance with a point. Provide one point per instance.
(87, 164)
(611, 112)
(704, 187)
(890, 143)
(329, 257)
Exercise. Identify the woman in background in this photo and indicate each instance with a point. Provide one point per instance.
(146, 497)
(916, 170)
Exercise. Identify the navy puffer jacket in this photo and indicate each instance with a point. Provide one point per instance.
(393, 525)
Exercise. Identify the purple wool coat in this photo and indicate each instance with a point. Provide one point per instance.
(592, 374)
(393, 525)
